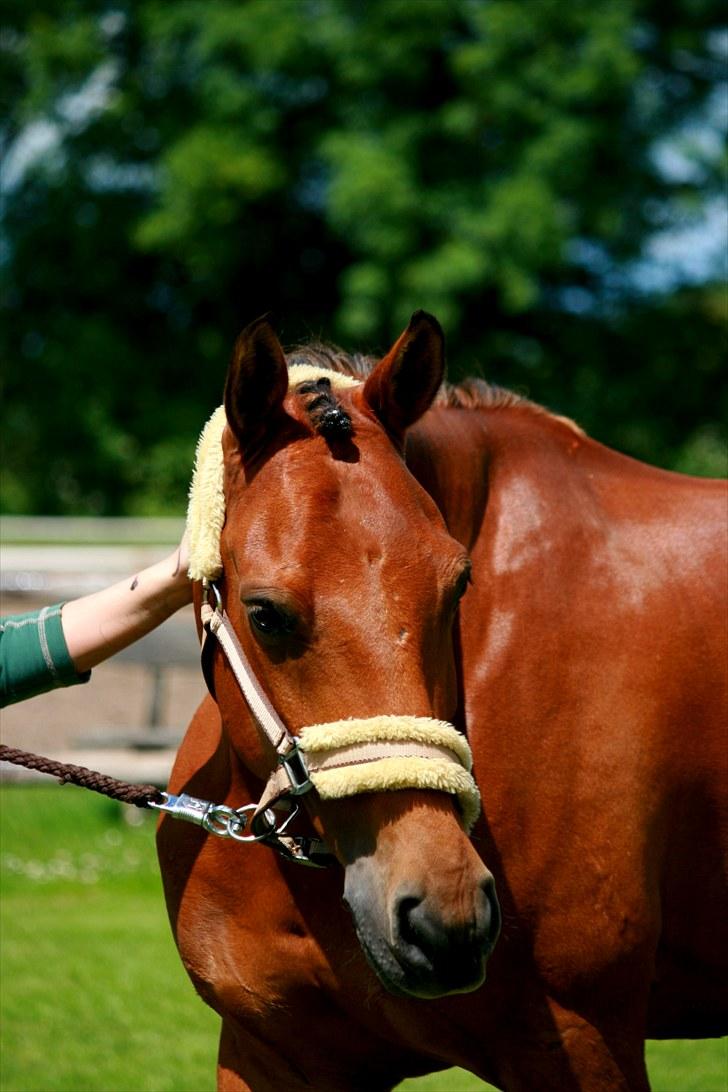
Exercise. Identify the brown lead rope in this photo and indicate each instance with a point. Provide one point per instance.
(216, 819)
(141, 796)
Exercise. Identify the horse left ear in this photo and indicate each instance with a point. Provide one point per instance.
(403, 385)
(257, 383)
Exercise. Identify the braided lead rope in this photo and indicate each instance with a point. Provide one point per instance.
(141, 796)
(215, 819)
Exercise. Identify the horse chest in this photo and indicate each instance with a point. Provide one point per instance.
(245, 940)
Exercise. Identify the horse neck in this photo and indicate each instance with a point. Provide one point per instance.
(518, 460)
(448, 453)
(463, 456)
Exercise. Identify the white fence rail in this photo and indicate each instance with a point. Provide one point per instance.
(59, 557)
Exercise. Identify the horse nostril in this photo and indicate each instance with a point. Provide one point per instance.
(408, 921)
(449, 950)
(419, 928)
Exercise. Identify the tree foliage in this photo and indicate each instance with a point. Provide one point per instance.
(174, 170)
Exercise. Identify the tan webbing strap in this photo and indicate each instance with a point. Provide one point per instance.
(278, 784)
(358, 753)
(218, 623)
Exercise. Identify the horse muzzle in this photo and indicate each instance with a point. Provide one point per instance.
(423, 903)
(417, 942)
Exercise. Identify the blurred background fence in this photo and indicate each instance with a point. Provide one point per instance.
(128, 720)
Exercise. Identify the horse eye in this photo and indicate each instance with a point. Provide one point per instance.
(461, 586)
(269, 619)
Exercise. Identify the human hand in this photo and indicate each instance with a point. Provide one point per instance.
(180, 561)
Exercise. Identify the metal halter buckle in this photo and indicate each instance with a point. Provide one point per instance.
(294, 763)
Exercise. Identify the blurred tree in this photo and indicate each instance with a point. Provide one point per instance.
(173, 170)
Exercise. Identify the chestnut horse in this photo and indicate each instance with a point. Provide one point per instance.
(586, 665)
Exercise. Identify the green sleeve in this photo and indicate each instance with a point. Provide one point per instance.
(34, 656)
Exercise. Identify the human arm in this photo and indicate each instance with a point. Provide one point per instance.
(58, 645)
(97, 626)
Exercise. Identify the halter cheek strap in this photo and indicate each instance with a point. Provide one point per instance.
(216, 623)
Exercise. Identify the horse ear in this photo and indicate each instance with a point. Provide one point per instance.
(256, 384)
(404, 383)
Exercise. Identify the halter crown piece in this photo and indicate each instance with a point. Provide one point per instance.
(338, 759)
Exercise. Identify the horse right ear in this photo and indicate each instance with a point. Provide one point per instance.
(256, 384)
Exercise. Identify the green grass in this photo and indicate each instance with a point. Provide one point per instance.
(93, 996)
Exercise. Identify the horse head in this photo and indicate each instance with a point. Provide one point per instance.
(341, 582)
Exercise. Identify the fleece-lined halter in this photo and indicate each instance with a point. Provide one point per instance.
(338, 759)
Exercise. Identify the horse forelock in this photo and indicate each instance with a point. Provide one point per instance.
(316, 388)
(315, 384)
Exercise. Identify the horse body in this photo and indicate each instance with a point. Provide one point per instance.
(589, 663)
(594, 670)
